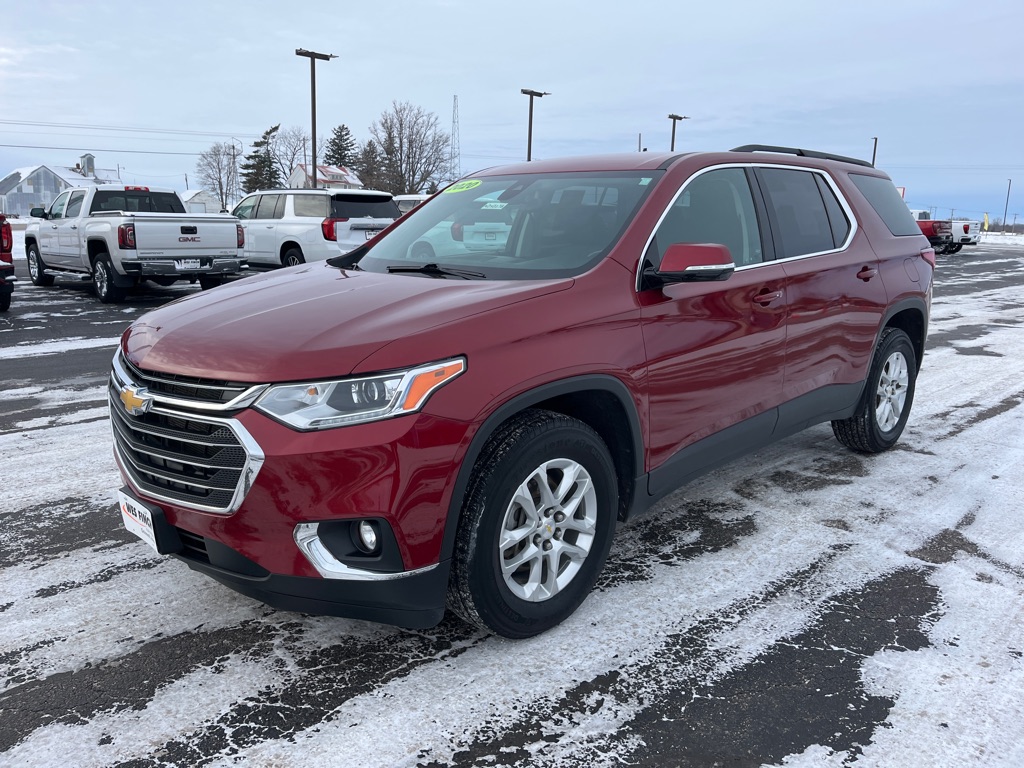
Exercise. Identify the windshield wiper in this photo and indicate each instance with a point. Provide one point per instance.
(435, 271)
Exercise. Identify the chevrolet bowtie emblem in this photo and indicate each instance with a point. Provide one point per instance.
(136, 400)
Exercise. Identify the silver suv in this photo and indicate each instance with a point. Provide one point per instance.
(292, 226)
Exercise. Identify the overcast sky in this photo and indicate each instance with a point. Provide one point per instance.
(940, 83)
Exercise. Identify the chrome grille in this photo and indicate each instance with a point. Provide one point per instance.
(193, 459)
(188, 388)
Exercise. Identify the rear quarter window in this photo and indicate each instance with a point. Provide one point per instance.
(882, 195)
(313, 206)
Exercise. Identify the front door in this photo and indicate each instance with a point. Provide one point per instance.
(715, 349)
(69, 240)
(48, 248)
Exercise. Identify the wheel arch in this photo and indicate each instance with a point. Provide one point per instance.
(601, 401)
(911, 317)
(286, 246)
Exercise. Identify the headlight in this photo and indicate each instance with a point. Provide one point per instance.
(327, 404)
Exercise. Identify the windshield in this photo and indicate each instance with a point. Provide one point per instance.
(518, 227)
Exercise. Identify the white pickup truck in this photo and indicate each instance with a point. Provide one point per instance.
(120, 236)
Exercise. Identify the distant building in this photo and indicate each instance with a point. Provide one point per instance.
(37, 186)
(200, 201)
(329, 176)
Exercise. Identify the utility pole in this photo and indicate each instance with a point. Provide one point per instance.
(313, 56)
(1009, 183)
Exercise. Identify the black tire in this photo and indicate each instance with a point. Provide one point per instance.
(955, 248)
(891, 380)
(36, 269)
(292, 257)
(210, 281)
(107, 291)
(528, 447)
(5, 302)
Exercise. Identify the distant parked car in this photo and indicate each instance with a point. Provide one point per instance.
(6, 264)
(292, 226)
(406, 203)
(483, 228)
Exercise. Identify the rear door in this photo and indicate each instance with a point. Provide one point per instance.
(716, 349)
(836, 297)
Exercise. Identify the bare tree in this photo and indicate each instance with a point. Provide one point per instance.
(290, 149)
(217, 169)
(414, 147)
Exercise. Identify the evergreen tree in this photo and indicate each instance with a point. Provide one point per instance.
(341, 148)
(260, 171)
(369, 165)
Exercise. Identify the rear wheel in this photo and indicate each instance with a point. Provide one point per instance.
(422, 252)
(888, 397)
(103, 281)
(536, 525)
(955, 248)
(5, 302)
(36, 269)
(293, 257)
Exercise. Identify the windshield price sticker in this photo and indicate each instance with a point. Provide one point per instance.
(463, 186)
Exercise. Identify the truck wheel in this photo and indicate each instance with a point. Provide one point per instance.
(888, 397)
(5, 302)
(206, 283)
(292, 258)
(954, 248)
(536, 525)
(103, 280)
(36, 269)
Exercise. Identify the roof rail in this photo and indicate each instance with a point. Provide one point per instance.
(801, 153)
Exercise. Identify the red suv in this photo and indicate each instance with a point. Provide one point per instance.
(380, 437)
(7, 277)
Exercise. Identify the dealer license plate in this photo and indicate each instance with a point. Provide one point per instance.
(183, 264)
(371, 232)
(137, 519)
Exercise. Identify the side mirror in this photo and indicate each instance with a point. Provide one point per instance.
(38, 213)
(690, 262)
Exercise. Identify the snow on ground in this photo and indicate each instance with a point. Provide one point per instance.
(721, 580)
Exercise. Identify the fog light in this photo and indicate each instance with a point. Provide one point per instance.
(368, 536)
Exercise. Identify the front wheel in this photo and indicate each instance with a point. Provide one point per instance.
(536, 525)
(107, 291)
(888, 396)
(36, 269)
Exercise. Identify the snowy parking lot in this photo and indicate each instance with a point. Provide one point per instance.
(804, 606)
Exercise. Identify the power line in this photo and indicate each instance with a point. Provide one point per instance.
(94, 149)
(130, 129)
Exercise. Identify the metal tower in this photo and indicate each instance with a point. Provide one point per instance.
(454, 151)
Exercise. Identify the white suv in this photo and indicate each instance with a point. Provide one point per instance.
(291, 226)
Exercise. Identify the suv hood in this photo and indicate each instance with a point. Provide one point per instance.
(308, 322)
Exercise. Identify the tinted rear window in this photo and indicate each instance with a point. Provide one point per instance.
(364, 206)
(886, 200)
(136, 201)
(310, 205)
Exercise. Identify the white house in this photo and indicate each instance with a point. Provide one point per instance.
(23, 189)
(327, 176)
(200, 201)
